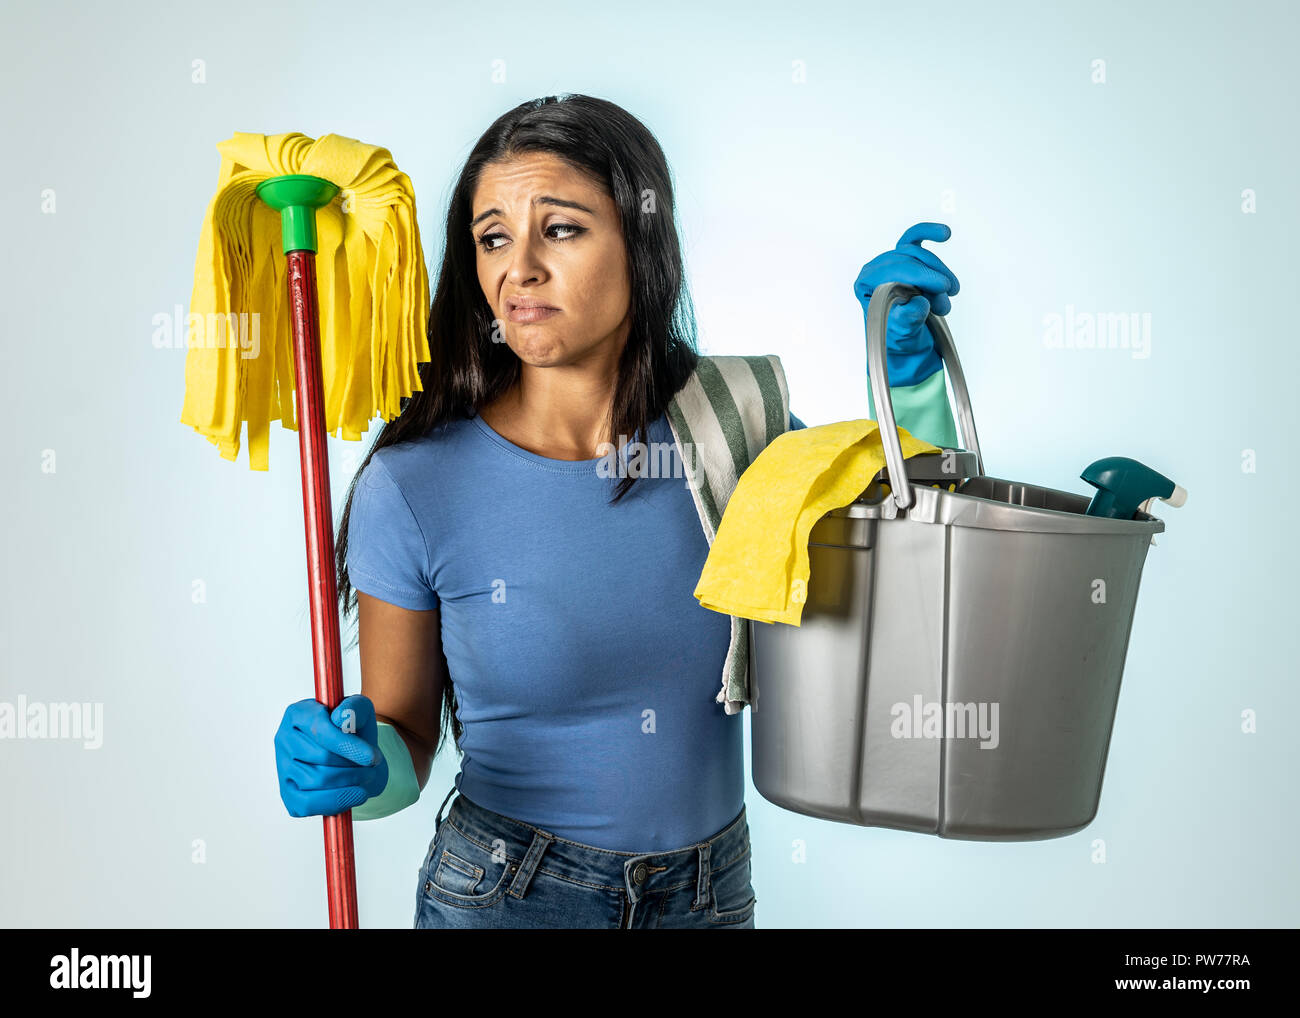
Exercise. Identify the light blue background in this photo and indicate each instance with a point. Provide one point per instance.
(1122, 196)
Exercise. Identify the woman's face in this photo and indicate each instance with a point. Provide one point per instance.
(544, 230)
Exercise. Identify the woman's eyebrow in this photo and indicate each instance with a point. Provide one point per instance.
(544, 199)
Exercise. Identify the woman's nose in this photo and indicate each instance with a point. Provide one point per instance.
(526, 261)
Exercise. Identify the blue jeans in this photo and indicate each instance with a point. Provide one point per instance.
(487, 871)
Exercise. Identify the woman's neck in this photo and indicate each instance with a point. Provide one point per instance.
(558, 421)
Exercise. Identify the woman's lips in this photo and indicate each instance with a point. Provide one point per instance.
(526, 315)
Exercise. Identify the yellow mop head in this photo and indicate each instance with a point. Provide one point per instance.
(370, 277)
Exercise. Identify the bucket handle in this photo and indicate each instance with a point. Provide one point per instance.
(882, 299)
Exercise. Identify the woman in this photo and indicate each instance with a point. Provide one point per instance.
(601, 785)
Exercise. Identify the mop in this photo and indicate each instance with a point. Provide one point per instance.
(298, 224)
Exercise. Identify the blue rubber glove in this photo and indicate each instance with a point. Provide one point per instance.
(329, 763)
(910, 354)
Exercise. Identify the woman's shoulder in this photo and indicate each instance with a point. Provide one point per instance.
(416, 459)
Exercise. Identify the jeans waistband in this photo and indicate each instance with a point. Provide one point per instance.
(636, 872)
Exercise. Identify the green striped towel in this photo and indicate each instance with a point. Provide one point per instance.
(727, 413)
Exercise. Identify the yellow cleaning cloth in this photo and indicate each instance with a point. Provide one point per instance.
(757, 566)
(372, 287)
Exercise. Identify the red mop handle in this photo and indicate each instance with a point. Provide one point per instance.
(318, 516)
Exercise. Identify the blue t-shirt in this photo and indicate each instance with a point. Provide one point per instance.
(585, 669)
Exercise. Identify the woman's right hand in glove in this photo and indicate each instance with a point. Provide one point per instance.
(329, 762)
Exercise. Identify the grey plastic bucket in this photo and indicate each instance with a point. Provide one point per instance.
(998, 611)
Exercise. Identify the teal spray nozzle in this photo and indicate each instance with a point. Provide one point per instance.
(1123, 485)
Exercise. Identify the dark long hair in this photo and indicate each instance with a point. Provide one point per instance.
(468, 370)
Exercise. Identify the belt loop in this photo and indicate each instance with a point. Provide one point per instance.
(437, 823)
(702, 883)
(532, 858)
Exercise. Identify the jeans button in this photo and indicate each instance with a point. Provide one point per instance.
(638, 874)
